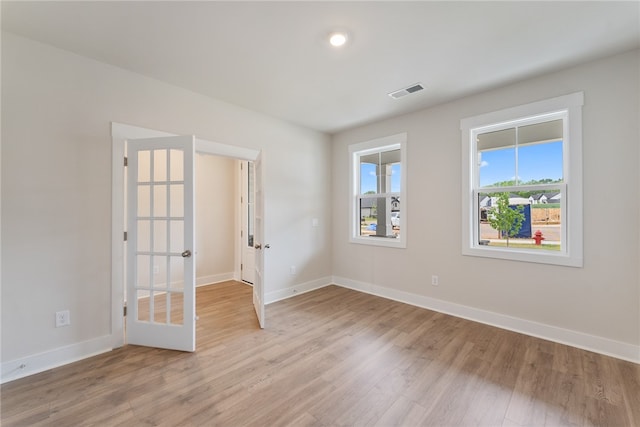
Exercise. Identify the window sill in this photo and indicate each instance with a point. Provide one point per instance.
(388, 242)
(559, 258)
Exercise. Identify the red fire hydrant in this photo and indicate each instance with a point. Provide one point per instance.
(538, 237)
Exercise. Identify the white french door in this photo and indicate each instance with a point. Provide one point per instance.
(161, 241)
(260, 246)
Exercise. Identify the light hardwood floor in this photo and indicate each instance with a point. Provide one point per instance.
(333, 357)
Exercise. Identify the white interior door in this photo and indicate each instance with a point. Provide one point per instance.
(260, 246)
(160, 263)
(248, 222)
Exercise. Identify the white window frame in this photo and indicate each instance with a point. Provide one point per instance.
(398, 141)
(569, 108)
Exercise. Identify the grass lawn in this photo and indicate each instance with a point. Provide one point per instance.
(512, 244)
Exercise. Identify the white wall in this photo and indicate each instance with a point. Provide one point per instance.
(56, 192)
(216, 218)
(597, 306)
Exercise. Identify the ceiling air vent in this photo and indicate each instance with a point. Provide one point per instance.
(406, 91)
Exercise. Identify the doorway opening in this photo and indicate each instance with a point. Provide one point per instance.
(121, 258)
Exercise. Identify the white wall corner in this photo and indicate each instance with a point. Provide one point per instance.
(298, 289)
(608, 347)
(36, 363)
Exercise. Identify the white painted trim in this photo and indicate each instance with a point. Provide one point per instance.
(372, 146)
(30, 365)
(117, 242)
(570, 108)
(231, 151)
(617, 349)
(301, 288)
(214, 278)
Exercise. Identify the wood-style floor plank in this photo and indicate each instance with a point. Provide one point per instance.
(332, 357)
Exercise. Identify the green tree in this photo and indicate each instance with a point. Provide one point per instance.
(504, 218)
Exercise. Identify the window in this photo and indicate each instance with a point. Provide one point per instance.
(378, 202)
(522, 182)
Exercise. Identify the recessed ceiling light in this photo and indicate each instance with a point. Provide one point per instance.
(337, 39)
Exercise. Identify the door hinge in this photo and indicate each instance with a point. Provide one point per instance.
(241, 267)
(126, 161)
(241, 234)
(124, 311)
(125, 236)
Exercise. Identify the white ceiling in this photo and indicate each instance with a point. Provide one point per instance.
(273, 57)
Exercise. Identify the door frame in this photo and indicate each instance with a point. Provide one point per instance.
(120, 132)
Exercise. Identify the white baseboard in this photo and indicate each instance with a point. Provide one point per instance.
(297, 290)
(617, 349)
(214, 278)
(30, 365)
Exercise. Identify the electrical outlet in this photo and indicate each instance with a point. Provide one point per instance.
(63, 318)
(434, 280)
(292, 270)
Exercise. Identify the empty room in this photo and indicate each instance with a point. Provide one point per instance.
(320, 213)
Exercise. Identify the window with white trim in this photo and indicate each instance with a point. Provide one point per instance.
(522, 182)
(378, 202)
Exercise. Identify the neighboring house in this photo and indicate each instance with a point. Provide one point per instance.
(543, 198)
(367, 208)
(555, 198)
(514, 199)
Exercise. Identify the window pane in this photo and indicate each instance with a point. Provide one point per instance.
(396, 174)
(541, 212)
(380, 172)
(159, 307)
(380, 216)
(250, 219)
(497, 167)
(177, 165)
(540, 163)
(250, 202)
(144, 163)
(176, 301)
(177, 200)
(177, 236)
(160, 271)
(142, 300)
(368, 179)
(177, 273)
(368, 215)
(144, 201)
(159, 200)
(159, 165)
(142, 271)
(160, 236)
(144, 236)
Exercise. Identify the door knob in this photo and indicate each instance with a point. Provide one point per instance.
(186, 254)
(258, 246)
